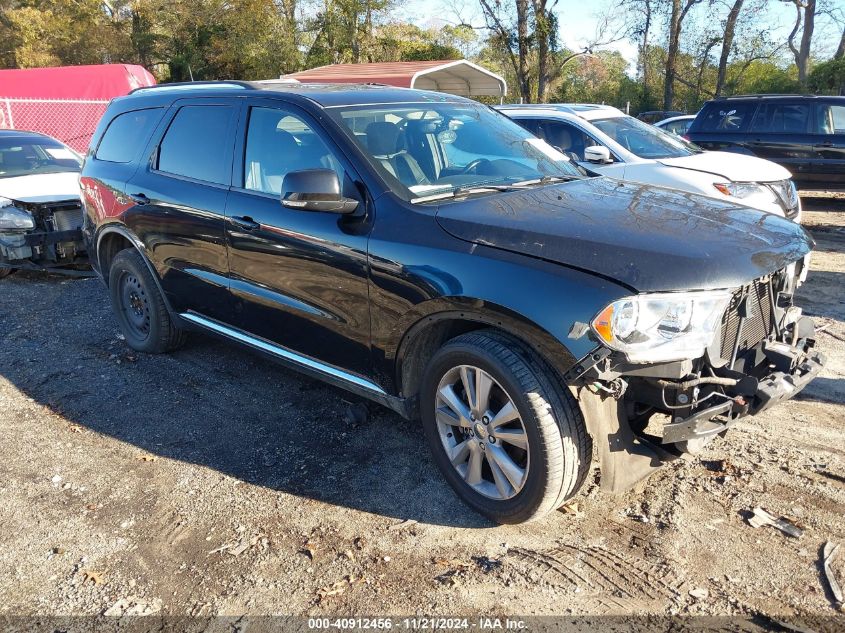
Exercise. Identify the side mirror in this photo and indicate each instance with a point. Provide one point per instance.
(315, 190)
(597, 154)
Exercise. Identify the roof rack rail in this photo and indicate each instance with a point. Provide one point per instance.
(186, 84)
(761, 95)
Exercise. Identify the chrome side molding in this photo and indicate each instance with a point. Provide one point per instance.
(327, 371)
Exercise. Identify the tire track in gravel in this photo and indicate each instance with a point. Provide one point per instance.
(620, 580)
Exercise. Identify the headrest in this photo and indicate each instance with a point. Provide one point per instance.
(283, 142)
(16, 159)
(560, 137)
(383, 138)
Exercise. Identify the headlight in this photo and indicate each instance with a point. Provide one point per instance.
(13, 218)
(662, 327)
(742, 189)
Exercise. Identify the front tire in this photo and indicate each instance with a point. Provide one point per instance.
(139, 306)
(505, 433)
(5, 272)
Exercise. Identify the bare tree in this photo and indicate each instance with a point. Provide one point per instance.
(502, 29)
(545, 26)
(727, 44)
(679, 11)
(805, 21)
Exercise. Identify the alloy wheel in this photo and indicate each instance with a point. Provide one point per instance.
(482, 432)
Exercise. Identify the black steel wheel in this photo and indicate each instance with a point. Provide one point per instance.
(140, 309)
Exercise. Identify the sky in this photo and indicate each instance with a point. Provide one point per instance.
(578, 20)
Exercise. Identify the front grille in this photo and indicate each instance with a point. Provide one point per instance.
(757, 325)
(787, 196)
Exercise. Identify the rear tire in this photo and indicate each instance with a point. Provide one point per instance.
(507, 436)
(139, 306)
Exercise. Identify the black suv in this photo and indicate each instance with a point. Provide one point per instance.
(426, 252)
(805, 134)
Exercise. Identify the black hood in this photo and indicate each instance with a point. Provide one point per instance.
(646, 237)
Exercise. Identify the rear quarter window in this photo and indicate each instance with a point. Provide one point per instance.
(725, 117)
(126, 135)
(197, 144)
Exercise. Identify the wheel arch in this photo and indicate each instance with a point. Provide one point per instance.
(117, 237)
(443, 320)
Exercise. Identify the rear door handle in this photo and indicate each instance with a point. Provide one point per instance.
(244, 222)
(139, 198)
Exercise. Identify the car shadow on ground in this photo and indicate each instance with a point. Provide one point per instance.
(216, 405)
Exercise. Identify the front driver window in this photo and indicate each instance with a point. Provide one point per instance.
(277, 143)
(567, 138)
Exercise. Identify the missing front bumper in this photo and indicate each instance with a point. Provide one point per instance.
(44, 251)
(799, 368)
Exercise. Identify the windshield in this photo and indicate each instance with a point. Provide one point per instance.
(439, 150)
(21, 156)
(644, 140)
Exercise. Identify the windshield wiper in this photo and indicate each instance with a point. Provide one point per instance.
(545, 180)
(513, 186)
(469, 190)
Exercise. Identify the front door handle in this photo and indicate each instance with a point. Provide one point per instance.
(245, 222)
(139, 198)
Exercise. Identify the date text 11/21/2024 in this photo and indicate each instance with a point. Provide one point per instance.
(418, 623)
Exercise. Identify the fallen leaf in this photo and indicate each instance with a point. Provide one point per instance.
(699, 594)
(332, 590)
(91, 506)
(348, 554)
(75, 428)
(402, 524)
(58, 551)
(309, 549)
(147, 458)
(573, 508)
(244, 545)
(94, 576)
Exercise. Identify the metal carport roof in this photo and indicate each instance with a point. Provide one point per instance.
(458, 77)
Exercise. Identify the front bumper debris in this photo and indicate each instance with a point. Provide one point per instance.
(772, 389)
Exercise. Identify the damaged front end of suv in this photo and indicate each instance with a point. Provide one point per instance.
(41, 236)
(40, 207)
(674, 370)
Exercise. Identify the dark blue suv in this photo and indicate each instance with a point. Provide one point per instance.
(805, 134)
(426, 252)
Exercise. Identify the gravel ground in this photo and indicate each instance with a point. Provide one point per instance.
(211, 482)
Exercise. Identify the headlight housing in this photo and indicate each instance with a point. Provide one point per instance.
(743, 190)
(12, 218)
(662, 327)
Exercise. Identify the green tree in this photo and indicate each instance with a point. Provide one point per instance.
(828, 77)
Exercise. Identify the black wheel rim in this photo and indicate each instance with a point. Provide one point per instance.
(134, 306)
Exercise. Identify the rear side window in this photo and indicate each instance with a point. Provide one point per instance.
(126, 135)
(782, 118)
(197, 144)
(830, 118)
(727, 117)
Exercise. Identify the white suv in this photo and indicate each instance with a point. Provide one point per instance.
(605, 140)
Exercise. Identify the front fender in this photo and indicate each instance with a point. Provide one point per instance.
(539, 302)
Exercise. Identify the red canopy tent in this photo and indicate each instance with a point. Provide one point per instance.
(65, 102)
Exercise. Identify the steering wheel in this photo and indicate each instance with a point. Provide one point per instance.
(472, 165)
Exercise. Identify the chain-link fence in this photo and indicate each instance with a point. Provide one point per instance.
(72, 121)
